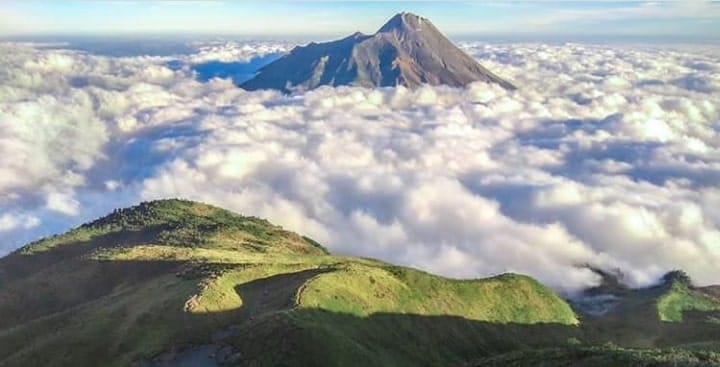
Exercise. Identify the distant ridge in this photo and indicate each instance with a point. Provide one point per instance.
(408, 50)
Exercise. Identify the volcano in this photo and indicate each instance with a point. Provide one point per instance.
(408, 50)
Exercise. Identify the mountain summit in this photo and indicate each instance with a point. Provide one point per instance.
(408, 50)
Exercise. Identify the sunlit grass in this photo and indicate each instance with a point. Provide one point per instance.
(679, 299)
(169, 273)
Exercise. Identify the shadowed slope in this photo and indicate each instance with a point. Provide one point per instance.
(173, 282)
(62, 271)
(712, 291)
(670, 313)
(603, 357)
(167, 274)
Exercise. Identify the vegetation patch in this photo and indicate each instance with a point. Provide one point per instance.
(680, 298)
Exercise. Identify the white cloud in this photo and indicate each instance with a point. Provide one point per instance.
(9, 222)
(605, 155)
(235, 52)
(63, 203)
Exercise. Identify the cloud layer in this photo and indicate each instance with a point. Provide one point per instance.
(605, 155)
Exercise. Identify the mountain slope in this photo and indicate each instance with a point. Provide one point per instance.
(174, 282)
(672, 313)
(171, 282)
(681, 298)
(712, 291)
(603, 357)
(408, 50)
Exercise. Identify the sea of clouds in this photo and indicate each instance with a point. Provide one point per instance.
(605, 155)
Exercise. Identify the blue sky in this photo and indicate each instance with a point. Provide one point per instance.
(687, 19)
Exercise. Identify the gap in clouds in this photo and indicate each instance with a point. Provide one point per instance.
(238, 72)
(600, 157)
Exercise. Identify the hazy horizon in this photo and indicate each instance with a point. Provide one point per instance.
(513, 20)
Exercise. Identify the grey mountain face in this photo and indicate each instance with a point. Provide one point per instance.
(408, 50)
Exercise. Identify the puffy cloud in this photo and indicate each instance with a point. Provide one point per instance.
(235, 52)
(606, 155)
(63, 203)
(9, 222)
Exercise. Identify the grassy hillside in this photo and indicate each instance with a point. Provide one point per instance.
(669, 314)
(365, 289)
(177, 280)
(356, 312)
(185, 224)
(680, 298)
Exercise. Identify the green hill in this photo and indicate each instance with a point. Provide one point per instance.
(172, 274)
(672, 313)
(679, 298)
(172, 282)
